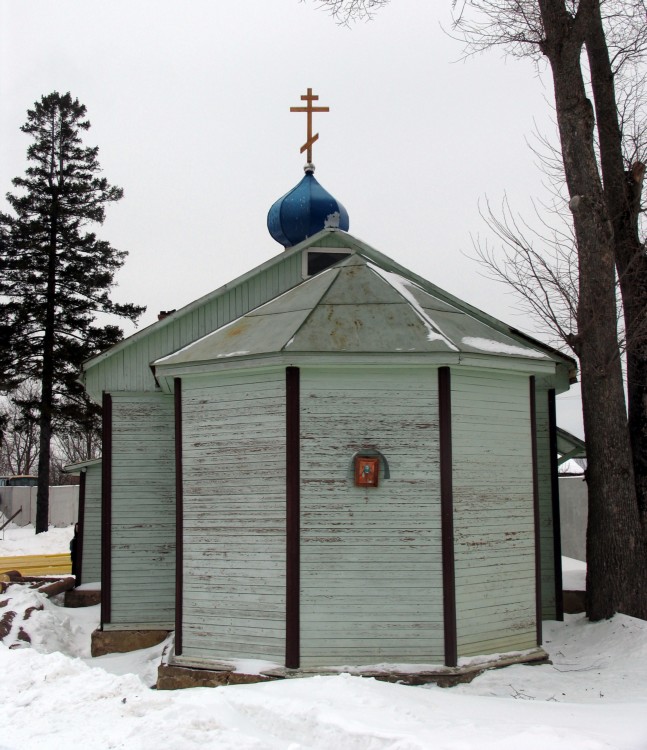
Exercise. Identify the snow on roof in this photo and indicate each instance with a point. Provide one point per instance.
(496, 347)
(572, 466)
(400, 284)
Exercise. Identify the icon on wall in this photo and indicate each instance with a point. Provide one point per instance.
(367, 469)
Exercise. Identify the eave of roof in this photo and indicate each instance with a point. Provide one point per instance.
(81, 465)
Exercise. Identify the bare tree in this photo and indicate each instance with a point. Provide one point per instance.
(73, 445)
(623, 183)
(347, 11)
(19, 436)
(539, 263)
(604, 202)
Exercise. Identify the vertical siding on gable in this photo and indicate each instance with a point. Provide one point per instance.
(493, 512)
(548, 602)
(371, 582)
(332, 240)
(143, 510)
(91, 563)
(233, 455)
(129, 369)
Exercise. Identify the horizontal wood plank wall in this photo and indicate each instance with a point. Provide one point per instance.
(143, 510)
(129, 369)
(371, 580)
(233, 456)
(92, 526)
(544, 481)
(493, 512)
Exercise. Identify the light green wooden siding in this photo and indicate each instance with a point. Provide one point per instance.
(143, 510)
(371, 582)
(493, 512)
(91, 562)
(234, 516)
(129, 368)
(332, 240)
(548, 604)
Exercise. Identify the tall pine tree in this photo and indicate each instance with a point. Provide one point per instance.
(55, 274)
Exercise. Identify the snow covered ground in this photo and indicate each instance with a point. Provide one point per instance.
(54, 695)
(21, 540)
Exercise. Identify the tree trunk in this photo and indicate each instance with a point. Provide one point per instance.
(47, 381)
(632, 270)
(622, 192)
(615, 546)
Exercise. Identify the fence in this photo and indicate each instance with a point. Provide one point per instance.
(573, 514)
(63, 504)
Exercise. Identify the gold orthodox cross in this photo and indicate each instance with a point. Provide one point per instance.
(309, 109)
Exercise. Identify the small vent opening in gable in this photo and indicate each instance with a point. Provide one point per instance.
(318, 259)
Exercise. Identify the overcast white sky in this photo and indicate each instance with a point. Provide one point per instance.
(189, 104)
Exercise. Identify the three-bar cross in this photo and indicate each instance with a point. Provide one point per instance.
(309, 109)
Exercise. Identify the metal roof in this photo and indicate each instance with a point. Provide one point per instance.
(355, 245)
(357, 306)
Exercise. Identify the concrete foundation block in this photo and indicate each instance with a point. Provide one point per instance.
(174, 677)
(82, 598)
(574, 602)
(170, 677)
(122, 641)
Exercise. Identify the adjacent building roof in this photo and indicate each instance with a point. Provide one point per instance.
(569, 446)
(81, 466)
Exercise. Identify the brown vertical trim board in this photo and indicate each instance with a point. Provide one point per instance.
(81, 521)
(447, 515)
(179, 516)
(293, 521)
(554, 491)
(535, 503)
(106, 509)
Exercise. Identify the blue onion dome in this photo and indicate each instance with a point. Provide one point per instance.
(304, 211)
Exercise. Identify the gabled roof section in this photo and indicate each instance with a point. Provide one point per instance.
(357, 306)
(201, 302)
(429, 309)
(126, 367)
